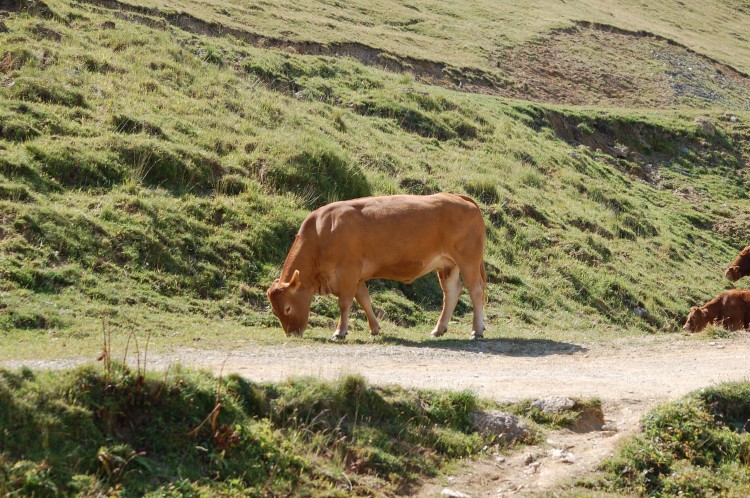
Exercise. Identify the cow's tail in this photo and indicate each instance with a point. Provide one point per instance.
(483, 274)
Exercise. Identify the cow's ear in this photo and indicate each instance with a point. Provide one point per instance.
(693, 308)
(295, 282)
(704, 312)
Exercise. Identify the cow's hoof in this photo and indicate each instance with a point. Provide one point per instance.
(337, 337)
(375, 332)
(438, 332)
(476, 337)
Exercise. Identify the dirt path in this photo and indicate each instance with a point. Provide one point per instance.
(629, 376)
(641, 370)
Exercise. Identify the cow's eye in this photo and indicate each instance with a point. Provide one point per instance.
(288, 309)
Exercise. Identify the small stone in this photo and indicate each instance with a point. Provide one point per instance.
(532, 468)
(529, 459)
(504, 426)
(705, 126)
(564, 456)
(569, 458)
(731, 117)
(451, 493)
(621, 151)
(553, 404)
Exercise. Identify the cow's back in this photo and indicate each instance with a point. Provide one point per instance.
(398, 237)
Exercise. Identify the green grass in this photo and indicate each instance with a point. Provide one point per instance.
(109, 429)
(697, 446)
(470, 34)
(147, 173)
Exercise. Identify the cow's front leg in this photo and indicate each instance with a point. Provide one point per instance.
(345, 305)
(363, 298)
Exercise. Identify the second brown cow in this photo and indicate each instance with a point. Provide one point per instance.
(730, 309)
(740, 267)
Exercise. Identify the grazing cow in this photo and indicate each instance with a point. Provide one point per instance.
(401, 237)
(730, 309)
(740, 267)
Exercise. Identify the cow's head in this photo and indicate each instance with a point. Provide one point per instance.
(733, 273)
(290, 302)
(696, 320)
(740, 267)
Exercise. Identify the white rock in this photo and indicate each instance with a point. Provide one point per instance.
(564, 456)
(553, 404)
(453, 493)
(621, 151)
(504, 426)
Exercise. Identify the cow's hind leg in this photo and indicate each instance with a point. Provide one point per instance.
(733, 323)
(363, 298)
(474, 280)
(451, 286)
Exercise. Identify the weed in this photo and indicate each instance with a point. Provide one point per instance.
(691, 446)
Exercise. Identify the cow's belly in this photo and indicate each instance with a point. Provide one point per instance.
(404, 270)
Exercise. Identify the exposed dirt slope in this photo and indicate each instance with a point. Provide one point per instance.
(593, 64)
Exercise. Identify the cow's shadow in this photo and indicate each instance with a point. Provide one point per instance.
(490, 346)
(494, 346)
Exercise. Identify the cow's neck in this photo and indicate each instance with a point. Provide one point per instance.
(712, 309)
(301, 257)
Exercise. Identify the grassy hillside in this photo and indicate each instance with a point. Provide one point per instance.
(117, 432)
(149, 170)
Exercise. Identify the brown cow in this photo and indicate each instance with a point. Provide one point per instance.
(740, 267)
(730, 309)
(402, 237)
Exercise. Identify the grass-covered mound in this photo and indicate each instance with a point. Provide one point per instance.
(112, 430)
(147, 171)
(697, 446)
